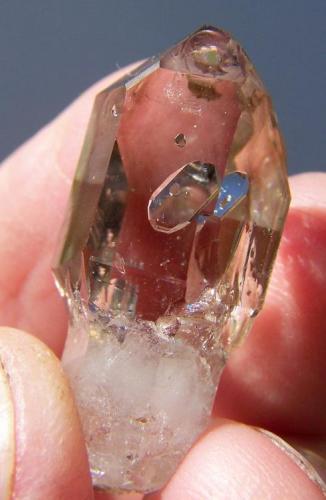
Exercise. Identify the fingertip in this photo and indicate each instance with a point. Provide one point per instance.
(7, 436)
(235, 461)
(308, 190)
(50, 455)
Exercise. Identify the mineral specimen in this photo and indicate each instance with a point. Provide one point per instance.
(175, 216)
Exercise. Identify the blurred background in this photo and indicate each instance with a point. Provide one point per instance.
(50, 51)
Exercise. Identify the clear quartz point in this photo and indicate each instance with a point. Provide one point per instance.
(184, 194)
(174, 219)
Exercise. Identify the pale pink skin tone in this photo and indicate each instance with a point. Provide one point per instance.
(276, 379)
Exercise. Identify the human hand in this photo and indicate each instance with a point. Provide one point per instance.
(275, 380)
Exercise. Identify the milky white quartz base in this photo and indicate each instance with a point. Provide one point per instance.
(143, 401)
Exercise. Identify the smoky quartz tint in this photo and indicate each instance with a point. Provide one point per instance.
(174, 220)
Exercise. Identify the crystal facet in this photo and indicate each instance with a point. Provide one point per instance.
(175, 216)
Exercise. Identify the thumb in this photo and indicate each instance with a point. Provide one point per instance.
(42, 452)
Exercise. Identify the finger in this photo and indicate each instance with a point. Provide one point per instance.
(42, 451)
(235, 461)
(276, 379)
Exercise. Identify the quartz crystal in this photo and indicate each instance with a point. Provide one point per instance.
(175, 216)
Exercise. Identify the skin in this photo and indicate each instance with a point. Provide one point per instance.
(274, 380)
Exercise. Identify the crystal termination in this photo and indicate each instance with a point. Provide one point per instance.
(175, 215)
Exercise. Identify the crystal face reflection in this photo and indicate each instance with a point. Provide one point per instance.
(235, 188)
(175, 215)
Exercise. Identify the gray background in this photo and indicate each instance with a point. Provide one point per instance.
(51, 50)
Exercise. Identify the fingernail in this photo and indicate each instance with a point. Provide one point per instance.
(307, 455)
(7, 436)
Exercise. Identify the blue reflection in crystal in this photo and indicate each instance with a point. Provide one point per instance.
(234, 189)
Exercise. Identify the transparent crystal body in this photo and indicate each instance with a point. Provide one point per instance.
(175, 216)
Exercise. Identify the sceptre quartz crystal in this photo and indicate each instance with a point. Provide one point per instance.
(175, 216)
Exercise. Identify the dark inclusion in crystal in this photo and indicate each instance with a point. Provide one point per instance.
(175, 216)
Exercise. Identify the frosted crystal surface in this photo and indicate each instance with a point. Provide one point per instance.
(175, 216)
(144, 397)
